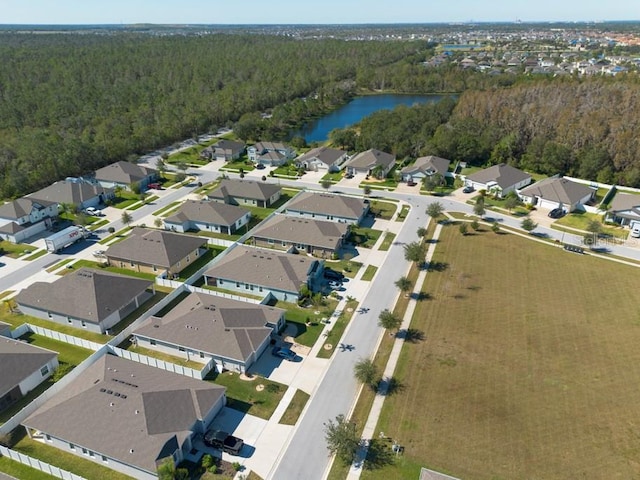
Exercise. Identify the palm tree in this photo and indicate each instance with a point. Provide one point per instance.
(404, 284)
(388, 320)
(126, 218)
(366, 373)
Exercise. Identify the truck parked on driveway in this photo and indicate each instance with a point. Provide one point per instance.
(223, 441)
(64, 238)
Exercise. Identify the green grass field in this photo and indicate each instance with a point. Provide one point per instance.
(527, 367)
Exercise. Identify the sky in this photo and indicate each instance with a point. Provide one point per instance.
(310, 11)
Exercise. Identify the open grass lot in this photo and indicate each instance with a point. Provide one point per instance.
(528, 369)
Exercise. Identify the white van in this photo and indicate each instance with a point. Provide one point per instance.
(635, 231)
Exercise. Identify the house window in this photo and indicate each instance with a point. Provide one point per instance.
(155, 269)
(271, 242)
(69, 320)
(47, 437)
(72, 447)
(197, 252)
(188, 259)
(85, 451)
(201, 354)
(152, 341)
(220, 282)
(251, 287)
(246, 286)
(91, 454)
(259, 289)
(49, 315)
(84, 324)
(237, 284)
(181, 349)
(44, 370)
(121, 264)
(132, 264)
(105, 459)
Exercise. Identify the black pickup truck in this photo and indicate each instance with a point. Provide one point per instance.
(223, 441)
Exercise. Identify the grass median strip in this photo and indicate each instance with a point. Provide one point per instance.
(293, 411)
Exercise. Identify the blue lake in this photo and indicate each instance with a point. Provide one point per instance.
(358, 108)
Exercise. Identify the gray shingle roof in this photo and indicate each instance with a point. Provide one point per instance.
(154, 247)
(303, 231)
(270, 146)
(326, 155)
(213, 213)
(215, 325)
(328, 204)
(88, 294)
(126, 410)
(123, 172)
(5, 329)
(70, 192)
(244, 189)
(625, 201)
(226, 147)
(370, 159)
(428, 164)
(22, 207)
(504, 175)
(18, 360)
(558, 190)
(258, 266)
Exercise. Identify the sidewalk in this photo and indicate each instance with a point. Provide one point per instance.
(370, 426)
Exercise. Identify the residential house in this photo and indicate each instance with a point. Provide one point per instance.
(498, 179)
(209, 217)
(557, 192)
(270, 153)
(79, 194)
(425, 167)
(155, 251)
(95, 300)
(624, 209)
(206, 328)
(257, 271)
(371, 162)
(322, 158)
(328, 206)
(127, 416)
(246, 192)
(24, 217)
(320, 238)
(125, 174)
(22, 368)
(224, 150)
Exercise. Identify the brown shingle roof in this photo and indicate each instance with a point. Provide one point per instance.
(127, 411)
(244, 189)
(123, 172)
(327, 204)
(213, 213)
(216, 325)
(503, 174)
(428, 164)
(303, 231)
(326, 155)
(154, 247)
(88, 294)
(370, 159)
(70, 192)
(269, 268)
(18, 360)
(558, 190)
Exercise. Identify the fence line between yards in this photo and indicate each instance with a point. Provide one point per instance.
(38, 464)
(157, 363)
(55, 335)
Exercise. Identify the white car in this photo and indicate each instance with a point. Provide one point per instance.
(94, 212)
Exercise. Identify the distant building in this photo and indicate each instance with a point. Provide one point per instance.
(270, 153)
(556, 192)
(125, 174)
(368, 162)
(224, 150)
(322, 158)
(79, 194)
(328, 206)
(498, 179)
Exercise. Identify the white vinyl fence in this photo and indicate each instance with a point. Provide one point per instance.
(38, 464)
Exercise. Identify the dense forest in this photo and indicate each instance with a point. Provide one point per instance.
(584, 127)
(72, 103)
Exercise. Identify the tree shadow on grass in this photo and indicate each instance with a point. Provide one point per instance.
(418, 297)
(412, 335)
(379, 454)
(437, 266)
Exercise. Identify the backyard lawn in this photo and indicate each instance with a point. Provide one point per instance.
(529, 373)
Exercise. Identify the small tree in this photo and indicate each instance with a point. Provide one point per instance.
(207, 461)
(182, 166)
(434, 210)
(495, 228)
(511, 202)
(180, 177)
(464, 228)
(421, 232)
(342, 439)
(528, 225)
(388, 320)
(367, 190)
(167, 469)
(404, 284)
(135, 187)
(157, 222)
(475, 225)
(594, 227)
(161, 166)
(414, 252)
(366, 373)
(478, 208)
(126, 218)
(326, 184)
(82, 219)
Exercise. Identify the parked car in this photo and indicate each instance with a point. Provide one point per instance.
(467, 189)
(94, 212)
(285, 353)
(154, 186)
(556, 213)
(349, 175)
(260, 166)
(98, 253)
(411, 183)
(223, 441)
